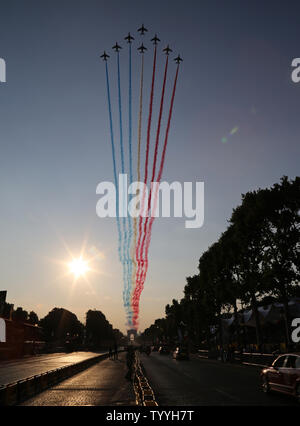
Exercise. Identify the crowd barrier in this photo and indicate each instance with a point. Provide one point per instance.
(246, 358)
(143, 391)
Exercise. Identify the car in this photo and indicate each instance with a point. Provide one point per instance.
(155, 348)
(283, 375)
(164, 350)
(181, 353)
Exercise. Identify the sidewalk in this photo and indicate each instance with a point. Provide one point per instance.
(103, 384)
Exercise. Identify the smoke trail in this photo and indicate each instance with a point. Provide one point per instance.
(124, 259)
(114, 160)
(140, 288)
(154, 162)
(138, 161)
(161, 164)
(139, 260)
(129, 258)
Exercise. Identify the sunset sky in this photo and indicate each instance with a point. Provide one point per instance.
(55, 143)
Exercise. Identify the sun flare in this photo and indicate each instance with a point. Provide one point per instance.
(78, 267)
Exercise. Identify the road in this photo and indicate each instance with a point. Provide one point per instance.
(12, 371)
(103, 384)
(206, 382)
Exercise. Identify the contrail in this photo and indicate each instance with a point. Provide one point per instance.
(129, 264)
(138, 161)
(124, 260)
(139, 260)
(114, 161)
(154, 160)
(140, 288)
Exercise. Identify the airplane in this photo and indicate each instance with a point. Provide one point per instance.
(155, 39)
(116, 47)
(142, 30)
(167, 50)
(142, 48)
(178, 59)
(129, 38)
(104, 56)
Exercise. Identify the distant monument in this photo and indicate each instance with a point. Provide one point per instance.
(131, 335)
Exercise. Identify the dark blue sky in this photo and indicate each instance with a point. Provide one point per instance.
(55, 136)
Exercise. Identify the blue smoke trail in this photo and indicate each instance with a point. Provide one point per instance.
(125, 257)
(114, 161)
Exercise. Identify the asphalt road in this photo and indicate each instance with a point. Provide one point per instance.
(103, 384)
(12, 371)
(206, 382)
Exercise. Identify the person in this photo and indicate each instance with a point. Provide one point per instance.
(130, 361)
(116, 352)
(110, 352)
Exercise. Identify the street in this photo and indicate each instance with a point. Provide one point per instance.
(12, 371)
(103, 384)
(206, 382)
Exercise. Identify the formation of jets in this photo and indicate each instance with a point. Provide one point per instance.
(104, 56)
(167, 50)
(116, 47)
(142, 48)
(129, 38)
(142, 30)
(155, 40)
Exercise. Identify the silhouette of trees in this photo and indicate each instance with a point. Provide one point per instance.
(59, 324)
(33, 318)
(20, 315)
(99, 332)
(256, 259)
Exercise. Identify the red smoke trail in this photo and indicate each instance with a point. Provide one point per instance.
(143, 277)
(139, 261)
(154, 166)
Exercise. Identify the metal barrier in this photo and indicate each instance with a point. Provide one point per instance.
(143, 391)
(246, 358)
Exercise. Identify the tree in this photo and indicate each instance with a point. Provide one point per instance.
(99, 331)
(33, 318)
(59, 324)
(20, 315)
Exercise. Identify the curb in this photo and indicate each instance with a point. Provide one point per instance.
(21, 390)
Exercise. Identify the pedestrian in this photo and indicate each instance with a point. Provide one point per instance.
(116, 352)
(130, 361)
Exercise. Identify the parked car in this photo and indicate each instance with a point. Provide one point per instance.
(283, 375)
(164, 350)
(181, 353)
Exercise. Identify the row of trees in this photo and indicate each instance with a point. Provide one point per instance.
(61, 325)
(256, 259)
(19, 314)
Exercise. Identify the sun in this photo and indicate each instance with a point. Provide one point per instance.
(78, 267)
